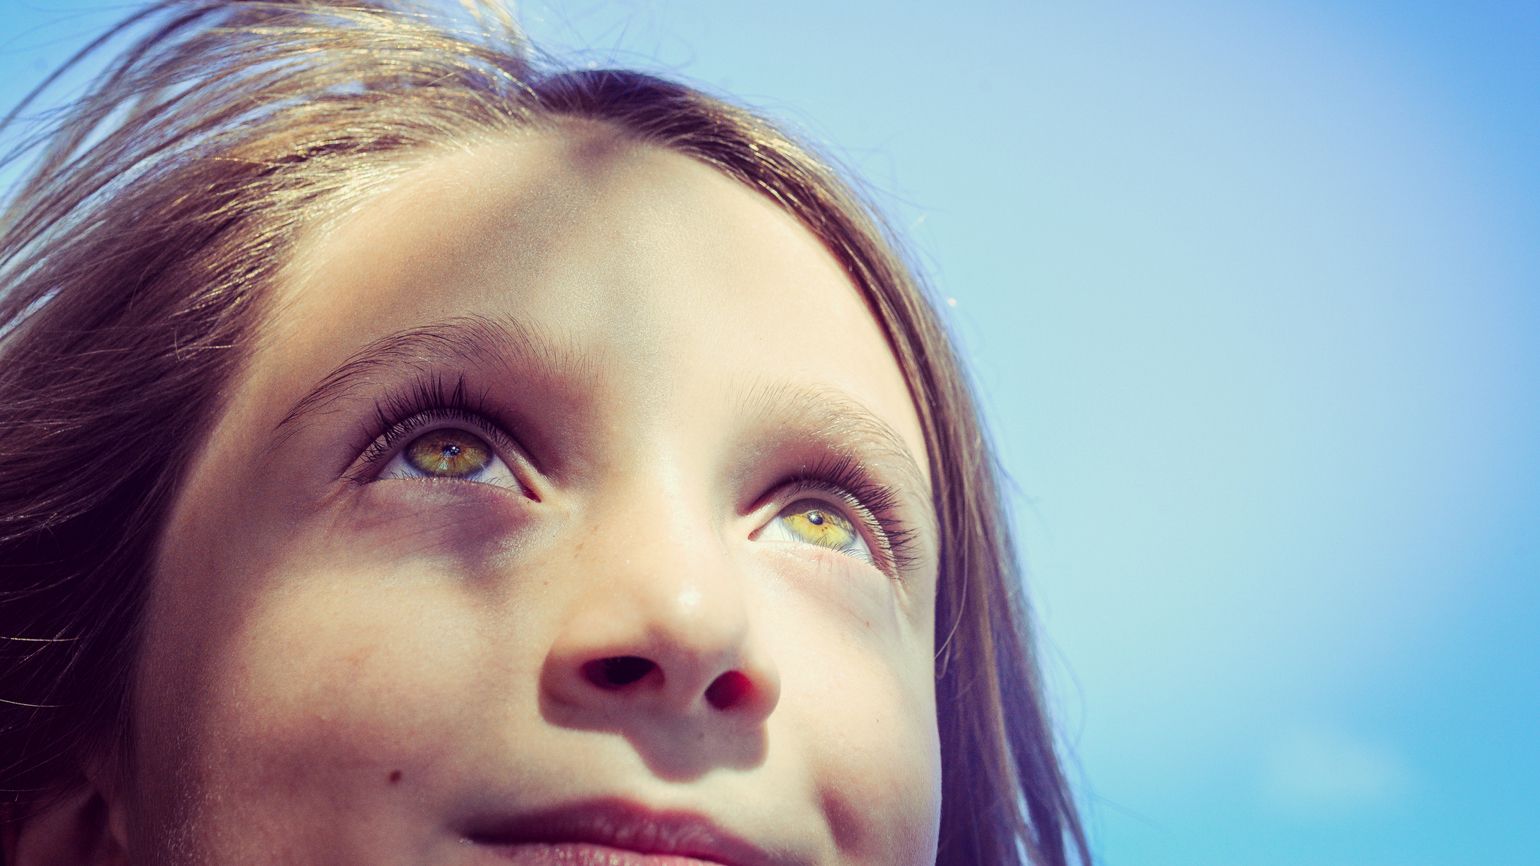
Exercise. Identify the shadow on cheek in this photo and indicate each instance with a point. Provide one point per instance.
(472, 523)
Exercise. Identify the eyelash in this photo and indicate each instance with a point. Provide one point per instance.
(872, 503)
(430, 399)
(399, 415)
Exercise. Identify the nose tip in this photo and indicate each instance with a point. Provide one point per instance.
(686, 652)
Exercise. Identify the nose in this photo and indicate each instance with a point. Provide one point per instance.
(663, 628)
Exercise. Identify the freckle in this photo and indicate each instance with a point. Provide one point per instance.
(395, 776)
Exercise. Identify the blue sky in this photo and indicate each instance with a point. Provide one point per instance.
(1251, 291)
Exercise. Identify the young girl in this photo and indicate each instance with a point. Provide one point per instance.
(413, 455)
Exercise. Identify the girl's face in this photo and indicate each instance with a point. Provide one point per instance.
(571, 507)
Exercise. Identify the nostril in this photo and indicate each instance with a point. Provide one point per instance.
(617, 672)
(728, 690)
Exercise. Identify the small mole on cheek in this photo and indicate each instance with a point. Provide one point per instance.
(395, 776)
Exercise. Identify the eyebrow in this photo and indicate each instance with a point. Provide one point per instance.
(842, 424)
(470, 339)
(836, 420)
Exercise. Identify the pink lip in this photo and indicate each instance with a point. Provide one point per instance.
(613, 832)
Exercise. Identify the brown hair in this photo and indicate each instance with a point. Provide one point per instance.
(134, 262)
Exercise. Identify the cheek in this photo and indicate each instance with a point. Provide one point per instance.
(282, 695)
(343, 642)
(342, 669)
(867, 721)
(331, 694)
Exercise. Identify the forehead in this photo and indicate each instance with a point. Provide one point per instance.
(669, 279)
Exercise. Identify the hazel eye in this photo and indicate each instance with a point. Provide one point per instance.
(450, 453)
(810, 521)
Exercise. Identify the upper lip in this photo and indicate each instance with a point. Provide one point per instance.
(621, 824)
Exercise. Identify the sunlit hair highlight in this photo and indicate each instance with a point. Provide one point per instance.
(136, 259)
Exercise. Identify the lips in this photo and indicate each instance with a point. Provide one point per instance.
(613, 833)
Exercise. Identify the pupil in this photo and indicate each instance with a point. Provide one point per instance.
(451, 450)
(815, 518)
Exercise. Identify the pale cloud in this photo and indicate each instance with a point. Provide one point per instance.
(1323, 771)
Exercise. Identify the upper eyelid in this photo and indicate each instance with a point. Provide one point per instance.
(389, 441)
(844, 499)
(838, 425)
(856, 475)
(558, 368)
(461, 342)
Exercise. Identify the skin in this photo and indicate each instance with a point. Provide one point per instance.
(341, 666)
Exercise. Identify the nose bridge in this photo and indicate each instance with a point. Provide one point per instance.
(666, 587)
(664, 617)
